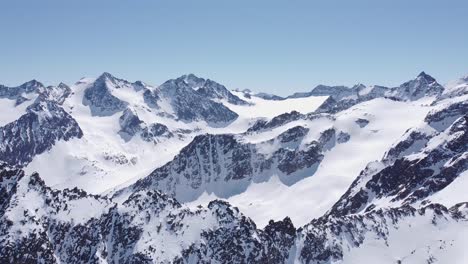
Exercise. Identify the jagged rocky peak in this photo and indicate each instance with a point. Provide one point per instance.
(34, 90)
(31, 86)
(35, 132)
(53, 229)
(56, 94)
(211, 161)
(21, 93)
(190, 105)
(131, 125)
(423, 85)
(210, 89)
(193, 81)
(424, 162)
(106, 76)
(99, 98)
(113, 82)
(426, 77)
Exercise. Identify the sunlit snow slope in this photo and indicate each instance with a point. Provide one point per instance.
(388, 120)
(102, 159)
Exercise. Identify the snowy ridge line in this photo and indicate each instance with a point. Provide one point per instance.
(208, 175)
(132, 231)
(162, 120)
(425, 161)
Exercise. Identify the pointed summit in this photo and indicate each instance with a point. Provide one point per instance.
(99, 97)
(63, 86)
(423, 85)
(426, 77)
(106, 76)
(31, 85)
(192, 80)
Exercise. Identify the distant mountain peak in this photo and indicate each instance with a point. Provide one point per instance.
(426, 77)
(63, 85)
(423, 85)
(106, 75)
(192, 80)
(31, 85)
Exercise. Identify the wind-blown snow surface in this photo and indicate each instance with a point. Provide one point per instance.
(388, 120)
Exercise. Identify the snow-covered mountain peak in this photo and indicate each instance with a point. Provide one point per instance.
(192, 80)
(31, 86)
(358, 86)
(153, 157)
(99, 98)
(423, 85)
(111, 81)
(63, 85)
(107, 76)
(426, 77)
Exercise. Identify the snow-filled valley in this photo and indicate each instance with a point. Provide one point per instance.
(388, 120)
(112, 171)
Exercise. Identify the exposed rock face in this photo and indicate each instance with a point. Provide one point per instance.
(37, 131)
(333, 106)
(343, 137)
(100, 99)
(337, 92)
(362, 122)
(391, 199)
(131, 125)
(424, 85)
(214, 90)
(49, 231)
(423, 163)
(262, 125)
(151, 98)
(35, 89)
(155, 131)
(18, 93)
(150, 227)
(189, 105)
(331, 239)
(342, 98)
(225, 166)
(276, 121)
(56, 94)
(443, 118)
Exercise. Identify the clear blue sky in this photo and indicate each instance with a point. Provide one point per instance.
(272, 46)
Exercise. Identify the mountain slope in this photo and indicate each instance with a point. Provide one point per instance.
(149, 227)
(190, 172)
(35, 132)
(424, 162)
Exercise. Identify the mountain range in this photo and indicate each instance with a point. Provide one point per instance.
(112, 171)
